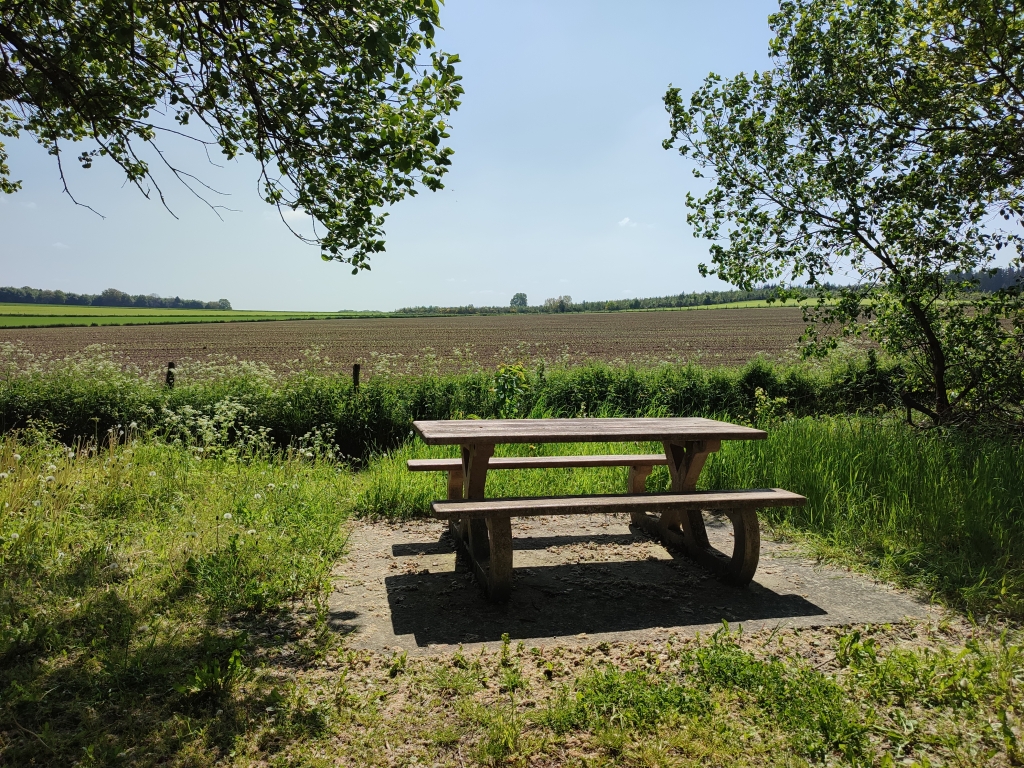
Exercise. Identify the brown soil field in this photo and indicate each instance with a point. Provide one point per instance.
(448, 344)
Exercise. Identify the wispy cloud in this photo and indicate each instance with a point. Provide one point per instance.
(627, 222)
(61, 246)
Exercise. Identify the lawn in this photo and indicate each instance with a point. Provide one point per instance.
(165, 603)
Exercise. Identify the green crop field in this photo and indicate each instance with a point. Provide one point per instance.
(42, 315)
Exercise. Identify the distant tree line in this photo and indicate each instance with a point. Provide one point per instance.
(987, 282)
(520, 304)
(109, 298)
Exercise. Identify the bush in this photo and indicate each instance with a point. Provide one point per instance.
(92, 393)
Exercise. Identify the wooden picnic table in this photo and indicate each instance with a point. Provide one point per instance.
(482, 527)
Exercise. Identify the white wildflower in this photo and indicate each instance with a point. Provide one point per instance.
(152, 474)
(50, 478)
(251, 532)
(258, 496)
(133, 425)
(271, 486)
(51, 467)
(3, 475)
(14, 537)
(227, 515)
(17, 457)
(36, 503)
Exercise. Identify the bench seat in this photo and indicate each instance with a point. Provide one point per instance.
(542, 462)
(483, 527)
(638, 502)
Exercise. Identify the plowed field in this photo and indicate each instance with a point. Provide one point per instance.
(448, 344)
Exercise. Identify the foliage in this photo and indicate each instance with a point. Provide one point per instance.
(807, 705)
(332, 99)
(519, 301)
(832, 163)
(680, 301)
(91, 393)
(111, 297)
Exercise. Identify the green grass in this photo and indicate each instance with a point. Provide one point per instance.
(43, 315)
(119, 568)
(161, 604)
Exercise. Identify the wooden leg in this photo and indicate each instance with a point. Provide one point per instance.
(685, 463)
(488, 543)
(636, 482)
(746, 548)
(456, 480)
(687, 530)
(499, 566)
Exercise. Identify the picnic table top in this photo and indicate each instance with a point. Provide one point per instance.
(463, 432)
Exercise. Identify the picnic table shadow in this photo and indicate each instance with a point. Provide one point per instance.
(551, 600)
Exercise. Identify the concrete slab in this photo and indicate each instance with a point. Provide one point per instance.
(584, 580)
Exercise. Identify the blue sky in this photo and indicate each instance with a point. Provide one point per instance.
(559, 184)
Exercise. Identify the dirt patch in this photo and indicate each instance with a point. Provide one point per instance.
(449, 344)
(583, 580)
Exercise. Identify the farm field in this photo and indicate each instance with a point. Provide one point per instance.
(36, 315)
(448, 344)
(54, 315)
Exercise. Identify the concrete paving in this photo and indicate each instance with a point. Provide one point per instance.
(584, 580)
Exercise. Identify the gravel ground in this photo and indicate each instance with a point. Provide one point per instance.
(581, 580)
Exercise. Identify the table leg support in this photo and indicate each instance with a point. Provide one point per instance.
(636, 482)
(686, 530)
(746, 547)
(499, 564)
(746, 550)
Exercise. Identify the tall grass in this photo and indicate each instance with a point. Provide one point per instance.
(97, 545)
(88, 394)
(940, 511)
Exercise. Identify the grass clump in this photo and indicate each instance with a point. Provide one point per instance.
(938, 511)
(810, 709)
(133, 578)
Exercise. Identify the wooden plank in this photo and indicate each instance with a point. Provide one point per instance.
(582, 505)
(676, 430)
(544, 462)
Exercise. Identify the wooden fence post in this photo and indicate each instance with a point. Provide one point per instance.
(355, 377)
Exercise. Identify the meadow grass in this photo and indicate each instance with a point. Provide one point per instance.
(166, 603)
(121, 567)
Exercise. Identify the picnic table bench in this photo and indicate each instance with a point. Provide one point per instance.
(482, 527)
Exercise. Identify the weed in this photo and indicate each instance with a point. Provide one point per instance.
(502, 734)
(456, 681)
(398, 663)
(214, 680)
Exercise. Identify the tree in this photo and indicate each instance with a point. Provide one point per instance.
(519, 301)
(839, 161)
(334, 99)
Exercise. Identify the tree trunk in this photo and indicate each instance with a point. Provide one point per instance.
(937, 358)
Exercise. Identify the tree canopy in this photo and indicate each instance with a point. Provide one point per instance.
(877, 148)
(343, 104)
